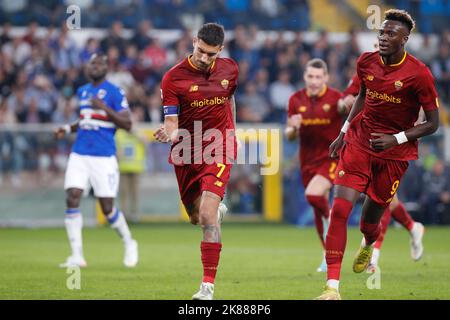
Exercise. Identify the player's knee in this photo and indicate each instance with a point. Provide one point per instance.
(206, 217)
(107, 209)
(341, 209)
(73, 198)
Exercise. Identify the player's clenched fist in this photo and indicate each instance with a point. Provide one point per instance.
(295, 121)
(161, 135)
(60, 132)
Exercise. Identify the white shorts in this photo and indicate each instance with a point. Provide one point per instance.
(102, 173)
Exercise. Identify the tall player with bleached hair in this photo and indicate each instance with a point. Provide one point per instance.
(380, 138)
(103, 108)
(199, 93)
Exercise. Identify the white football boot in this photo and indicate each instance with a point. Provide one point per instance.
(416, 241)
(131, 257)
(221, 212)
(74, 261)
(206, 292)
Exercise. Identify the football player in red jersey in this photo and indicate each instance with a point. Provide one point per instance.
(198, 99)
(313, 116)
(396, 208)
(380, 139)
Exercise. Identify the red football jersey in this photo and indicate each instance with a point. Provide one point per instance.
(202, 96)
(394, 95)
(320, 126)
(353, 86)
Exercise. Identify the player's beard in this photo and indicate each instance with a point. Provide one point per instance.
(97, 78)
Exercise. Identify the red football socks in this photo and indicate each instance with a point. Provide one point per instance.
(402, 216)
(337, 236)
(321, 209)
(210, 259)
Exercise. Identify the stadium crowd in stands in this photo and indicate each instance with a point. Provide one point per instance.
(39, 75)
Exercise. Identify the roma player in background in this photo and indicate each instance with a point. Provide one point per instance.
(380, 139)
(313, 116)
(198, 98)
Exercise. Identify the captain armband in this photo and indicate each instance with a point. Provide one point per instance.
(170, 111)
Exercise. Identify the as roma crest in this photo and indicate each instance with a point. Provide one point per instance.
(398, 84)
(326, 107)
(224, 83)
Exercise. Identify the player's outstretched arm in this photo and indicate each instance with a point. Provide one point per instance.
(337, 144)
(121, 119)
(60, 132)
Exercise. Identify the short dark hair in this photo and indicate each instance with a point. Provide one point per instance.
(318, 64)
(100, 55)
(400, 16)
(212, 34)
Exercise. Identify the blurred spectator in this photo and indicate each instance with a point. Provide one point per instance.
(156, 56)
(321, 47)
(5, 37)
(18, 50)
(114, 39)
(43, 100)
(30, 36)
(436, 196)
(65, 54)
(92, 46)
(253, 107)
(280, 91)
(6, 115)
(120, 76)
(142, 37)
(66, 111)
(440, 66)
(153, 113)
(427, 50)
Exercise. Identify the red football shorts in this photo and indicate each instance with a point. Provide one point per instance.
(326, 169)
(193, 179)
(376, 177)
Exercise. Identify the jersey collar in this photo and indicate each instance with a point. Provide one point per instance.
(200, 70)
(321, 93)
(395, 64)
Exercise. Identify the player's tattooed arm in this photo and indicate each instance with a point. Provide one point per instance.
(337, 144)
(122, 119)
(383, 141)
(60, 132)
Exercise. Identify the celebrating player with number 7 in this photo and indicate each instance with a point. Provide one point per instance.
(199, 114)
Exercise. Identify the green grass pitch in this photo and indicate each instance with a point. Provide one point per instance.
(258, 261)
